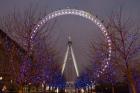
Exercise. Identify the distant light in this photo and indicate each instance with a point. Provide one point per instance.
(82, 90)
(57, 90)
(1, 78)
(47, 88)
(51, 88)
(11, 81)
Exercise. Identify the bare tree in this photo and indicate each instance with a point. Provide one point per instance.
(125, 45)
(18, 25)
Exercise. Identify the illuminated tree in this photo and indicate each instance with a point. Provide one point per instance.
(18, 25)
(83, 80)
(125, 46)
(11, 51)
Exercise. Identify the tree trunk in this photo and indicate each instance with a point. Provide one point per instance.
(131, 81)
(113, 89)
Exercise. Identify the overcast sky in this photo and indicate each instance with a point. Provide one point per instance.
(75, 25)
(100, 7)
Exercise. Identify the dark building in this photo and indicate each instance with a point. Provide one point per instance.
(10, 57)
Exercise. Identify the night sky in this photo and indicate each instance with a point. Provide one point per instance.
(81, 30)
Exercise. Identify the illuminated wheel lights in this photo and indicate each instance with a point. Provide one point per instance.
(83, 14)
